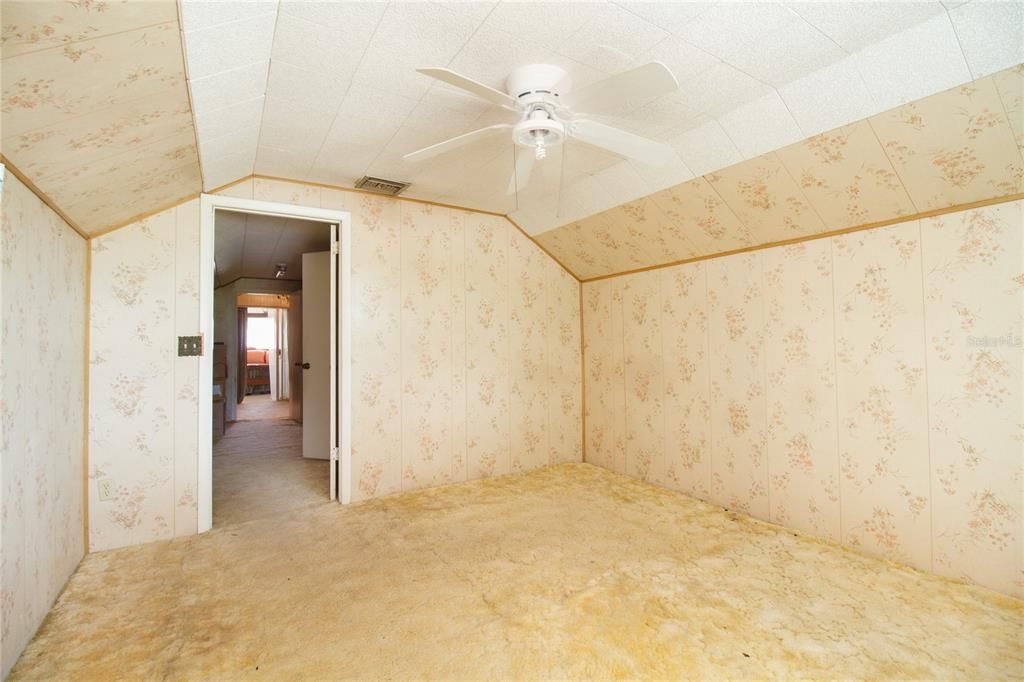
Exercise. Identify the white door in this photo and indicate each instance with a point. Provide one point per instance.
(295, 355)
(320, 352)
(316, 355)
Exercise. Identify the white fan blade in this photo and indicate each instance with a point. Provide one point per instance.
(649, 80)
(454, 143)
(621, 142)
(471, 86)
(521, 176)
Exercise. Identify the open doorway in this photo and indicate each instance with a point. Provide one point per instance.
(268, 364)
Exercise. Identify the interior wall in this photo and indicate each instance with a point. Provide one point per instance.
(863, 388)
(143, 398)
(465, 337)
(466, 355)
(43, 265)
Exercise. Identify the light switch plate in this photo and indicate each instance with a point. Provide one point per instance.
(190, 345)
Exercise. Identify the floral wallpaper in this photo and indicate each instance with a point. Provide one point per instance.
(42, 411)
(143, 398)
(956, 147)
(95, 107)
(862, 388)
(466, 356)
(466, 345)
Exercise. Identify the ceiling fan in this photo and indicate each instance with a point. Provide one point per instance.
(549, 111)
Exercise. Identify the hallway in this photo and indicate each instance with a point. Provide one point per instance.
(259, 471)
(262, 406)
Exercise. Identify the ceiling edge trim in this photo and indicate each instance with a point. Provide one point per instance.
(188, 93)
(165, 207)
(420, 201)
(42, 196)
(544, 249)
(257, 176)
(1017, 196)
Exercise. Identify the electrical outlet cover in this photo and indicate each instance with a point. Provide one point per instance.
(106, 489)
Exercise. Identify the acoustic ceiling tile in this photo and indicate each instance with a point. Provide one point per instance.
(671, 16)
(218, 172)
(728, 25)
(705, 147)
(659, 177)
(309, 89)
(854, 25)
(42, 24)
(846, 176)
(766, 199)
(952, 148)
(426, 32)
(829, 97)
(545, 23)
(279, 128)
(229, 46)
(229, 88)
(684, 60)
(761, 125)
(385, 108)
(786, 54)
(237, 141)
(914, 63)
(44, 88)
(612, 40)
(321, 48)
(448, 114)
(350, 18)
(218, 122)
(281, 163)
(721, 88)
(197, 14)
(491, 54)
(991, 35)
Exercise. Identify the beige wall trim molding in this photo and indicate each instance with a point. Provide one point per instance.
(353, 190)
(166, 207)
(42, 196)
(583, 382)
(85, 397)
(142, 216)
(188, 95)
(822, 235)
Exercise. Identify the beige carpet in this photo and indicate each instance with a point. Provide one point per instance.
(262, 407)
(258, 471)
(567, 572)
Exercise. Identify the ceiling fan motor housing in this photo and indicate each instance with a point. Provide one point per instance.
(538, 82)
(536, 89)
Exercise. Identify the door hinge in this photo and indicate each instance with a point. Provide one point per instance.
(334, 454)
(335, 248)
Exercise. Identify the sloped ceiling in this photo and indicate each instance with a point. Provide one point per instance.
(103, 110)
(328, 92)
(957, 147)
(95, 106)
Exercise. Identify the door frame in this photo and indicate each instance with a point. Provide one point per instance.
(209, 204)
